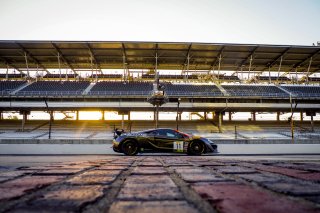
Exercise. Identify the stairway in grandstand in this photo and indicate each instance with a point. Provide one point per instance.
(225, 93)
(87, 90)
(21, 87)
(283, 89)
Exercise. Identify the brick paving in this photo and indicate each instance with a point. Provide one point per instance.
(163, 184)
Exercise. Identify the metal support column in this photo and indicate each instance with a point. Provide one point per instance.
(59, 66)
(125, 76)
(269, 76)
(102, 113)
(250, 67)
(279, 69)
(7, 71)
(91, 64)
(122, 121)
(205, 115)
(156, 68)
(50, 123)
(219, 68)
(220, 122)
(278, 116)
(291, 120)
(178, 114)
(77, 115)
(307, 76)
(230, 116)
(1, 115)
(188, 63)
(241, 73)
(312, 124)
(24, 119)
(301, 116)
(27, 65)
(157, 116)
(129, 116)
(253, 116)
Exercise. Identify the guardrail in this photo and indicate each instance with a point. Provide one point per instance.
(259, 94)
(118, 93)
(49, 93)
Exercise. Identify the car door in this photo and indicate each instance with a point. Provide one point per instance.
(147, 140)
(170, 140)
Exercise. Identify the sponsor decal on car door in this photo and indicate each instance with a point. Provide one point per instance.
(178, 146)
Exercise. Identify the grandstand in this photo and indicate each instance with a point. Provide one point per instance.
(214, 78)
(255, 90)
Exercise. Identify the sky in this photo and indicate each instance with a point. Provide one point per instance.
(288, 22)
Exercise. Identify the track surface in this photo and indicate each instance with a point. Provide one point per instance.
(157, 183)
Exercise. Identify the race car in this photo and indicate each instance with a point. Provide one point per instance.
(162, 140)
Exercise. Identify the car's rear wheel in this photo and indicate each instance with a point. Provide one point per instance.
(196, 148)
(130, 147)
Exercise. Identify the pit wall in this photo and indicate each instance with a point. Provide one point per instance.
(108, 141)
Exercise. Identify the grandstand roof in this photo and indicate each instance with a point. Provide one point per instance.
(142, 55)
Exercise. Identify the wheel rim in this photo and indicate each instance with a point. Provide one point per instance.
(130, 148)
(197, 148)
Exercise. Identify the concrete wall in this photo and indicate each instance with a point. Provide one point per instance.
(108, 141)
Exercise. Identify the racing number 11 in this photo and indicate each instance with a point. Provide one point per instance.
(178, 146)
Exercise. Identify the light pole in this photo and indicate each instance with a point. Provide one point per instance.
(177, 118)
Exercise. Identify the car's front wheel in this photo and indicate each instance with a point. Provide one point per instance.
(196, 148)
(130, 147)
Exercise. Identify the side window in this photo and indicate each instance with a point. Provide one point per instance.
(173, 134)
(161, 132)
(170, 135)
(151, 133)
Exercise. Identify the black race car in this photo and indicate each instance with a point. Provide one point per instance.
(162, 140)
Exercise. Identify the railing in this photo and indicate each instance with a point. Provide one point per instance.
(147, 93)
(49, 93)
(193, 94)
(118, 93)
(306, 95)
(5, 92)
(259, 94)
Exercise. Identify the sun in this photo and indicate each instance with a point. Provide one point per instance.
(90, 115)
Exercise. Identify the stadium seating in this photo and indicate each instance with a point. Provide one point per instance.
(121, 88)
(254, 90)
(192, 90)
(8, 86)
(118, 88)
(53, 88)
(303, 90)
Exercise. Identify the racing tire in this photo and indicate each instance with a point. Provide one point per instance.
(130, 147)
(196, 148)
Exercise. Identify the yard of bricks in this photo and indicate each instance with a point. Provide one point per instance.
(155, 184)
